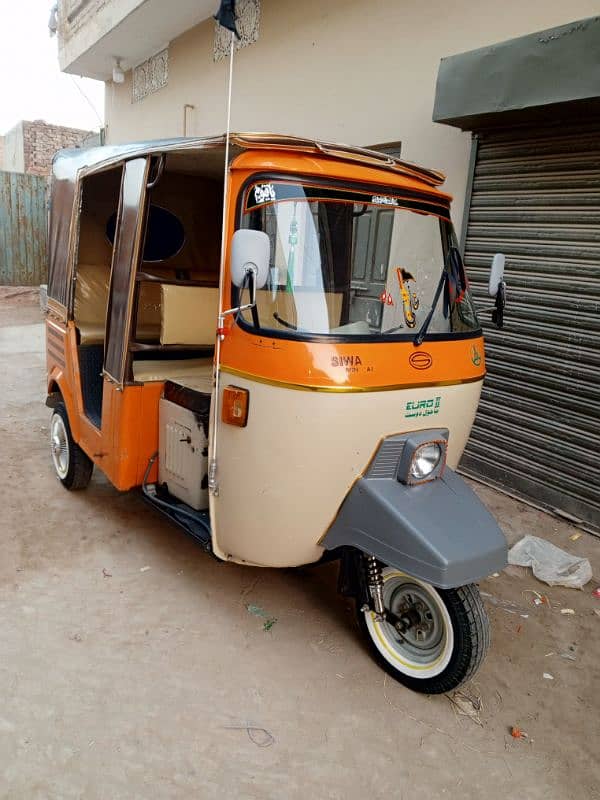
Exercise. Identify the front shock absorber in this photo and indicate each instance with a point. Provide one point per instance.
(375, 583)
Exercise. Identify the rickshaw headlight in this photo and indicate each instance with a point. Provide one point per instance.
(425, 460)
(411, 458)
(423, 456)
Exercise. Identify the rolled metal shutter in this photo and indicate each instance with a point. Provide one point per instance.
(536, 198)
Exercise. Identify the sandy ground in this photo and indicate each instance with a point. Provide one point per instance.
(130, 667)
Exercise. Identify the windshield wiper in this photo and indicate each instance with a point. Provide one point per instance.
(422, 332)
(453, 270)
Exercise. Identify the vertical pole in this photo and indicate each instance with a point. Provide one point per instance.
(213, 485)
(292, 241)
(468, 193)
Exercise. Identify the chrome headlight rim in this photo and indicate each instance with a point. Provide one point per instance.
(425, 460)
(416, 446)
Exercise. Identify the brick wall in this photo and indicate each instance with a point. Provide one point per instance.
(41, 141)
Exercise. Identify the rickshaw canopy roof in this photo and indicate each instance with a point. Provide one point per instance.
(189, 154)
(67, 163)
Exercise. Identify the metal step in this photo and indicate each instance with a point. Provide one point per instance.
(195, 523)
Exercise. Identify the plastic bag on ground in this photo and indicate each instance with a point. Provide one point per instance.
(549, 563)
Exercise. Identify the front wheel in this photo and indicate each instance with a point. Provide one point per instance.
(446, 639)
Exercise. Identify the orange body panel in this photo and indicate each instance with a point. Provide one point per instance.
(306, 165)
(348, 367)
(133, 416)
(63, 369)
(129, 434)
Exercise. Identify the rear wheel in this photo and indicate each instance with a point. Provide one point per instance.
(445, 633)
(73, 467)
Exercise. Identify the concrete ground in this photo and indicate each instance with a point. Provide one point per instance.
(131, 668)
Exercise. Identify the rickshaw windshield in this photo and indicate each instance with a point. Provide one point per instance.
(348, 262)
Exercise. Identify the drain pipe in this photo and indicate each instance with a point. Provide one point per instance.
(185, 110)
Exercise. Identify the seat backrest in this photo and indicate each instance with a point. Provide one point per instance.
(189, 314)
(91, 299)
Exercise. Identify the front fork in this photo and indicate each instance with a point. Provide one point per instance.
(361, 575)
(375, 584)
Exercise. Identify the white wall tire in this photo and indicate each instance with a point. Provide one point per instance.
(426, 650)
(59, 445)
(73, 467)
(447, 642)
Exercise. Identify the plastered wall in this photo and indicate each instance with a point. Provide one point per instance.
(343, 70)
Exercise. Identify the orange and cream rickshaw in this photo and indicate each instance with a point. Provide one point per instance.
(297, 388)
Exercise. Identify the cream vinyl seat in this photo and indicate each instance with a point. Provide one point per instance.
(188, 316)
(91, 301)
(188, 372)
(191, 306)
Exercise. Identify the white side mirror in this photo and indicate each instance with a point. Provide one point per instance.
(496, 274)
(250, 254)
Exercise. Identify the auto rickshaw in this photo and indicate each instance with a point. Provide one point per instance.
(285, 357)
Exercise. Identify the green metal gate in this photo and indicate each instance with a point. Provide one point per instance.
(23, 229)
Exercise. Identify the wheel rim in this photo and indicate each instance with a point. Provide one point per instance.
(59, 446)
(424, 650)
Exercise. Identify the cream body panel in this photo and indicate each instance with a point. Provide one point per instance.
(283, 477)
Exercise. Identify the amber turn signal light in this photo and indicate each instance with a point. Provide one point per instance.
(235, 406)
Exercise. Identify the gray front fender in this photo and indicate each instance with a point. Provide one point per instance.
(439, 531)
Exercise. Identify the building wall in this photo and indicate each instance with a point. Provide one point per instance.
(13, 157)
(41, 141)
(343, 70)
(30, 146)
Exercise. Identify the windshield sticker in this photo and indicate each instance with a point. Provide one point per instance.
(475, 356)
(386, 298)
(410, 302)
(422, 408)
(266, 193)
(383, 200)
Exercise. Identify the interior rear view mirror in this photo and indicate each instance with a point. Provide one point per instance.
(250, 255)
(496, 273)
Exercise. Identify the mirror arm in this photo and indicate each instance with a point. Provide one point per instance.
(251, 273)
(497, 310)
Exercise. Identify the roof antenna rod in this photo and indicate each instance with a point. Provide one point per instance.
(225, 16)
